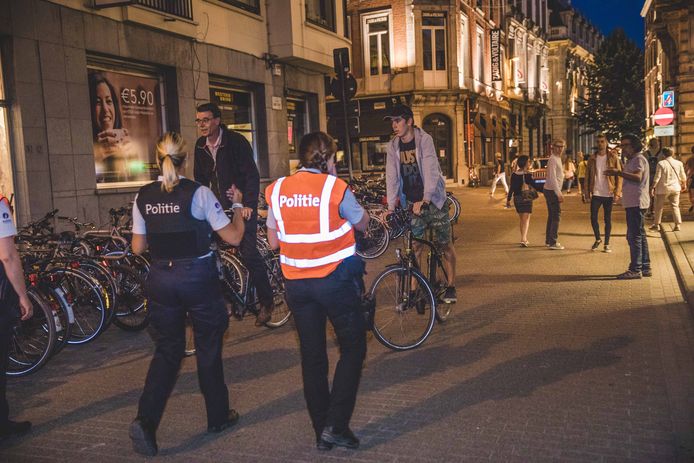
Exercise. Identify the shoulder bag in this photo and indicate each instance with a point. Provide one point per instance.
(527, 194)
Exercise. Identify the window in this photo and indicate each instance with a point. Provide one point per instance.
(180, 8)
(480, 55)
(128, 117)
(6, 176)
(236, 105)
(463, 51)
(249, 5)
(297, 124)
(379, 45)
(434, 41)
(321, 13)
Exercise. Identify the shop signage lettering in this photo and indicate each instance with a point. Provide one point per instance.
(495, 44)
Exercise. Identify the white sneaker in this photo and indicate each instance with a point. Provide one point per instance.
(556, 247)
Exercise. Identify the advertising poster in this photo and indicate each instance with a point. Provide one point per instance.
(126, 124)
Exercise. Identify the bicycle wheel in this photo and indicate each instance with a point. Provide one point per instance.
(63, 316)
(453, 208)
(280, 313)
(84, 296)
(234, 278)
(404, 308)
(131, 312)
(32, 340)
(106, 282)
(374, 241)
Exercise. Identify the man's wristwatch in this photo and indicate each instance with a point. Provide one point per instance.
(236, 206)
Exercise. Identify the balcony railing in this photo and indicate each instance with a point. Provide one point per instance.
(180, 8)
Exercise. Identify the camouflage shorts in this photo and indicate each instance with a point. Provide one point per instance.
(436, 220)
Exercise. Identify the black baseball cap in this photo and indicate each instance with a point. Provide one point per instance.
(399, 110)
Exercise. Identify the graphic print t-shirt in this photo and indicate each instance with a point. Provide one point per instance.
(412, 183)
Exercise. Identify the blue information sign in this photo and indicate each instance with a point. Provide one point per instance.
(669, 99)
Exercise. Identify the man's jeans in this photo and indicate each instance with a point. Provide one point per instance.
(553, 217)
(636, 237)
(606, 203)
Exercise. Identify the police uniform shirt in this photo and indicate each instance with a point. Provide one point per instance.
(350, 209)
(205, 207)
(7, 227)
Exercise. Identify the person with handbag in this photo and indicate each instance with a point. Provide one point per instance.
(668, 182)
(523, 191)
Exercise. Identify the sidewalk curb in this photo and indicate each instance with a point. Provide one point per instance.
(685, 274)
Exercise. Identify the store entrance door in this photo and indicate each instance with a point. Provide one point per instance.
(439, 127)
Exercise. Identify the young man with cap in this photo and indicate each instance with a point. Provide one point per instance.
(413, 176)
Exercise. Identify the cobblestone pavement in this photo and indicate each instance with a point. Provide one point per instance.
(546, 358)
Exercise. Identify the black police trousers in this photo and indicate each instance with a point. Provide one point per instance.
(337, 298)
(174, 289)
(254, 261)
(8, 318)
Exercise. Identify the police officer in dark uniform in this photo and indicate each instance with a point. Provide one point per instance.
(13, 293)
(311, 219)
(175, 217)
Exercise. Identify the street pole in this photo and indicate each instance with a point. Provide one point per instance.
(343, 96)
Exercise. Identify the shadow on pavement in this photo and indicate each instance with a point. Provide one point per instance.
(515, 378)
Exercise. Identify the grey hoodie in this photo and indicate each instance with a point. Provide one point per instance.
(429, 169)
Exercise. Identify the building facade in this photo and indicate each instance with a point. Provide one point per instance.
(87, 91)
(572, 42)
(669, 65)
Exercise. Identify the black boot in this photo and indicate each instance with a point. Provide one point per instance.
(143, 435)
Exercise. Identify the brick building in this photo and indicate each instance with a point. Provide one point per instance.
(669, 65)
(151, 62)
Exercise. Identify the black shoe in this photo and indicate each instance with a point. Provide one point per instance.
(143, 435)
(596, 245)
(629, 275)
(449, 296)
(646, 273)
(345, 438)
(323, 445)
(231, 420)
(14, 428)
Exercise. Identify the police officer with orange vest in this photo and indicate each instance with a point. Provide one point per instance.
(311, 218)
(175, 217)
(13, 294)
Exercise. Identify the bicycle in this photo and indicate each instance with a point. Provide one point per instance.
(406, 302)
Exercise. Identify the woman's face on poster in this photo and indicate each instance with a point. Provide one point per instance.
(105, 109)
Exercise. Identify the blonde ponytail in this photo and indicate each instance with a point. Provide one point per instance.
(170, 156)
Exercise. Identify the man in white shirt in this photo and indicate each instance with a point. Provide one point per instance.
(667, 184)
(553, 196)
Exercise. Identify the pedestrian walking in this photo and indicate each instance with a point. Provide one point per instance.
(636, 199)
(553, 195)
(522, 179)
(413, 176)
(14, 303)
(499, 175)
(569, 172)
(175, 218)
(581, 174)
(224, 158)
(670, 179)
(602, 190)
(311, 218)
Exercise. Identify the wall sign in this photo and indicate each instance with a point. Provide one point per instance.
(495, 45)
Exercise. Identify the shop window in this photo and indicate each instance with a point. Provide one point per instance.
(377, 52)
(434, 49)
(321, 13)
(373, 153)
(298, 125)
(128, 117)
(236, 105)
(6, 175)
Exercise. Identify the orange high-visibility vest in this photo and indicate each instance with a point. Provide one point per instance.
(313, 238)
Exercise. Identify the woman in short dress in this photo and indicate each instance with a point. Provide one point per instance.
(524, 209)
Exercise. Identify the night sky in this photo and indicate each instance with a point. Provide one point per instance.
(609, 14)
